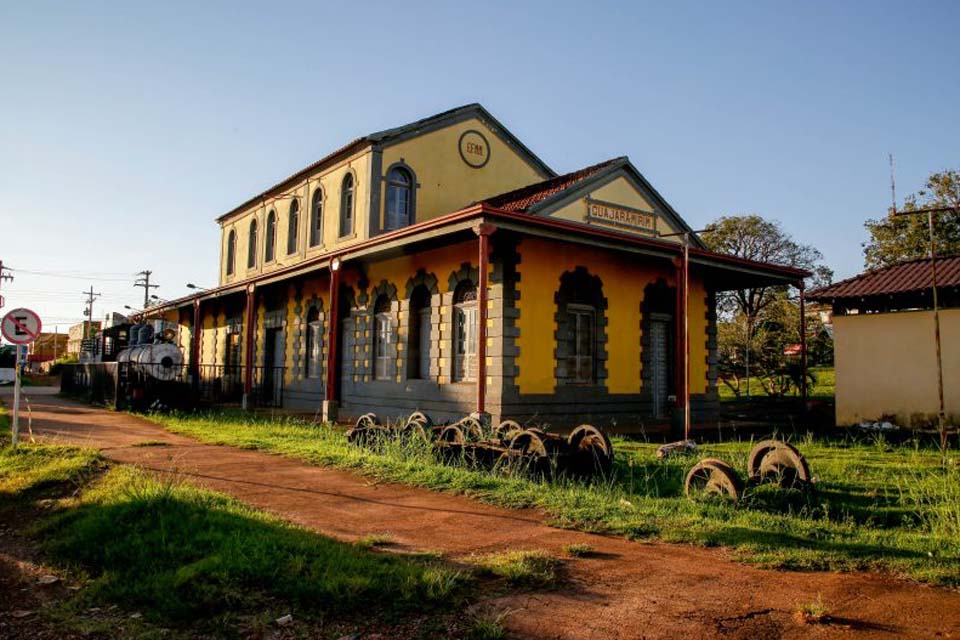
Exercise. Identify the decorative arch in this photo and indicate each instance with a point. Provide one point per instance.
(581, 334)
(465, 272)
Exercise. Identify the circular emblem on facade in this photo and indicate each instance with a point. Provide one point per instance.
(474, 148)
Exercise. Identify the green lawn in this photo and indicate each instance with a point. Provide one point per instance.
(198, 560)
(879, 507)
(824, 388)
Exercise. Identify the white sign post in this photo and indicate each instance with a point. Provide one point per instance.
(21, 327)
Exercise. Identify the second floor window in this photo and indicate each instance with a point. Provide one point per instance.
(270, 237)
(231, 251)
(346, 205)
(252, 245)
(293, 227)
(399, 212)
(316, 218)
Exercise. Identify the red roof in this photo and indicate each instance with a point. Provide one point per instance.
(907, 277)
(525, 197)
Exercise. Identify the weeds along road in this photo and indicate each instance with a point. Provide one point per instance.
(625, 590)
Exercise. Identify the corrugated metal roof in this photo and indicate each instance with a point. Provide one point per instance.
(907, 277)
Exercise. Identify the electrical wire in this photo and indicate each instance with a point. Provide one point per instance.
(75, 276)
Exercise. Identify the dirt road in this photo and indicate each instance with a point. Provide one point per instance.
(629, 590)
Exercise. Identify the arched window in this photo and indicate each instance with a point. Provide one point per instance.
(465, 332)
(418, 341)
(382, 340)
(399, 199)
(579, 307)
(252, 245)
(270, 237)
(346, 205)
(231, 251)
(314, 342)
(293, 227)
(316, 218)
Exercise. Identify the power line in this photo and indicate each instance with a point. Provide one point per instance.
(75, 276)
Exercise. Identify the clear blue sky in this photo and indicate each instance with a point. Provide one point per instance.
(126, 128)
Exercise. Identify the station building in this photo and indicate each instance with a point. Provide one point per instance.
(443, 266)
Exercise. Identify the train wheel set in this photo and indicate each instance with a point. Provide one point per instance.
(769, 462)
(507, 446)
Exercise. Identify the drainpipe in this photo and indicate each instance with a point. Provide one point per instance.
(483, 231)
(330, 401)
(249, 310)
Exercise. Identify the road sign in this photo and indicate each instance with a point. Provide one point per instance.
(21, 326)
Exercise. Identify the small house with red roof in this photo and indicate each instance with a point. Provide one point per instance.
(885, 343)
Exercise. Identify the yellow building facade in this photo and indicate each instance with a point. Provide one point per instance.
(441, 266)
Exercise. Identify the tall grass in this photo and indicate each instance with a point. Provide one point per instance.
(880, 507)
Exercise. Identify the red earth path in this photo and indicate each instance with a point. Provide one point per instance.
(628, 590)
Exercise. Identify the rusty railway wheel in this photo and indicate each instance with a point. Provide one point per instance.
(779, 462)
(712, 477)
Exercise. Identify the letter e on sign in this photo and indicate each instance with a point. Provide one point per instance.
(20, 326)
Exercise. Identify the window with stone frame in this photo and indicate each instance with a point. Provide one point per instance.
(231, 251)
(383, 340)
(293, 227)
(270, 237)
(316, 218)
(580, 327)
(252, 245)
(582, 343)
(399, 210)
(346, 205)
(314, 343)
(465, 332)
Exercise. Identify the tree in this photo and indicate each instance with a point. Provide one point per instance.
(894, 239)
(755, 238)
(757, 324)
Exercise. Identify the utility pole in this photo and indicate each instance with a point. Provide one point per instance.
(4, 276)
(941, 414)
(88, 312)
(144, 282)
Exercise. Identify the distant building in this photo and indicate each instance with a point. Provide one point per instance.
(48, 346)
(884, 344)
(76, 335)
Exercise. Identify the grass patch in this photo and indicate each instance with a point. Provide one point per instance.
(29, 469)
(488, 625)
(530, 568)
(374, 540)
(816, 612)
(878, 506)
(183, 555)
(578, 550)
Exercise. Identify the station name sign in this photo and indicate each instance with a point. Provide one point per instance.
(608, 213)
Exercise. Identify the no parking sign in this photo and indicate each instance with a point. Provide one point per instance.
(21, 327)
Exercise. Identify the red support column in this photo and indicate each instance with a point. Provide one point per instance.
(334, 333)
(680, 368)
(483, 231)
(803, 344)
(249, 330)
